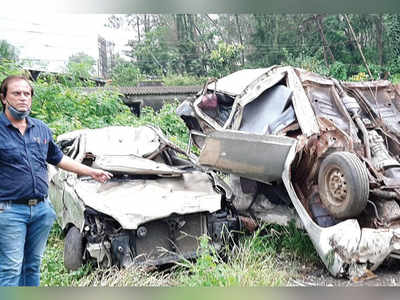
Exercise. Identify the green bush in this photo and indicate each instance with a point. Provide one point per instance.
(396, 78)
(9, 67)
(338, 70)
(65, 109)
(309, 63)
(125, 74)
(166, 119)
(182, 80)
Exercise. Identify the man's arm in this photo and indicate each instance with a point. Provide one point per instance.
(71, 165)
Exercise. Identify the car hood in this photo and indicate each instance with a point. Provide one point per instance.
(134, 202)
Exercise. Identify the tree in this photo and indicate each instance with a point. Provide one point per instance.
(125, 73)
(225, 59)
(8, 51)
(82, 65)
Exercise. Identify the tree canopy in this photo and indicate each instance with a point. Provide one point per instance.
(214, 45)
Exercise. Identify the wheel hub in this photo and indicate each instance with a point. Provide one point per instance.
(337, 186)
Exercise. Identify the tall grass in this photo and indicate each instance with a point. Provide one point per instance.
(244, 266)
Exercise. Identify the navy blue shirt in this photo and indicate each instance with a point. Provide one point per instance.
(23, 168)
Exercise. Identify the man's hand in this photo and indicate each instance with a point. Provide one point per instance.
(100, 175)
(69, 164)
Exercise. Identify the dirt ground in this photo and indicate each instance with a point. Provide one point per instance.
(387, 274)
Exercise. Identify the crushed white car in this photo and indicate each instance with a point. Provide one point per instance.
(304, 147)
(152, 211)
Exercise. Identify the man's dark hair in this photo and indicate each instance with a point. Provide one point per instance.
(4, 86)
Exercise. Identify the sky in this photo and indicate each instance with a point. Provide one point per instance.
(55, 37)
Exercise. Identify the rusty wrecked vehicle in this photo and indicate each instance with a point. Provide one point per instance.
(301, 146)
(151, 212)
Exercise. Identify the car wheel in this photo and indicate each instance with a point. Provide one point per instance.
(343, 184)
(73, 249)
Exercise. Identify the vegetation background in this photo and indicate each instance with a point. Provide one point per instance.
(185, 49)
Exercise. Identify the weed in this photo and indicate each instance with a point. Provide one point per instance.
(131, 276)
(244, 265)
(288, 241)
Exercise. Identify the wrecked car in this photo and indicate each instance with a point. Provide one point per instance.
(304, 147)
(151, 212)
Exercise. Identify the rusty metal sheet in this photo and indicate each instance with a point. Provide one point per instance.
(304, 112)
(310, 77)
(366, 84)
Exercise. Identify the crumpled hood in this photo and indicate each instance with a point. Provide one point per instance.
(134, 202)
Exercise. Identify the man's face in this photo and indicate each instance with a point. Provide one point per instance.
(19, 95)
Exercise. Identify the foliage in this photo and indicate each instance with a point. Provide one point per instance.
(125, 73)
(65, 109)
(251, 263)
(81, 65)
(8, 51)
(338, 70)
(287, 240)
(244, 266)
(152, 54)
(270, 35)
(169, 122)
(8, 67)
(132, 276)
(224, 60)
(394, 65)
(396, 78)
(182, 80)
(361, 76)
(191, 43)
(309, 63)
(394, 34)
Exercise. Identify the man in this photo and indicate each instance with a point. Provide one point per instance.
(26, 214)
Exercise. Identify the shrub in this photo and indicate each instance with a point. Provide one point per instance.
(182, 80)
(338, 70)
(65, 109)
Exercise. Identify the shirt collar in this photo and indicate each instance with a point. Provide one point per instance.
(29, 122)
(4, 120)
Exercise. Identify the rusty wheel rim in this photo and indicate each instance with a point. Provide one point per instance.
(336, 186)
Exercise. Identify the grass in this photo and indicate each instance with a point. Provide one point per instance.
(53, 272)
(244, 266)
(268, 257)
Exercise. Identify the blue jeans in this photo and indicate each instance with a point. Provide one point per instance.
(23, 235)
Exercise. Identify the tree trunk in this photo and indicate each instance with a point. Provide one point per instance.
(240, 39)
(138, 26)
(327, 49)
(379, 38)
(146, 23)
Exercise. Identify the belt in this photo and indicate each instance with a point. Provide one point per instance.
(30, 202)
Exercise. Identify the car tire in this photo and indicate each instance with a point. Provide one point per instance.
(343, 185)
(73, 249)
